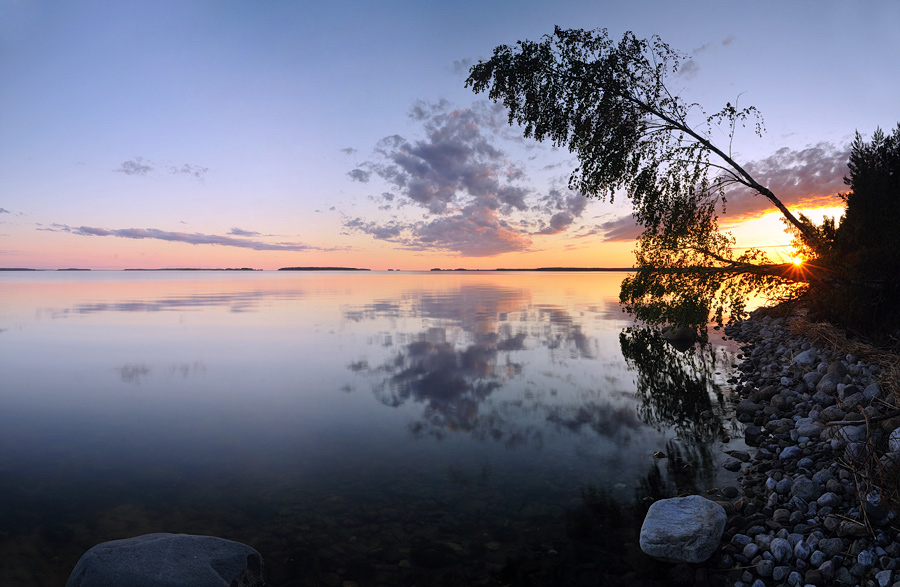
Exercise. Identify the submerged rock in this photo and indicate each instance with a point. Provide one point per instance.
(173, 560)
(682, 529)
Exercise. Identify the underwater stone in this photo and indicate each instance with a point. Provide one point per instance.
(173, 560)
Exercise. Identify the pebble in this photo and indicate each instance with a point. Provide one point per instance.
(798, 520)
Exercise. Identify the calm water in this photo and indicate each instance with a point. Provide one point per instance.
(377, 428)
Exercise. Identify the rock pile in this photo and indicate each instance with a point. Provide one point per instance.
(815, 507)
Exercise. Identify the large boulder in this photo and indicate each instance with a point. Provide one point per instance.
(682, 529)
(169, 560)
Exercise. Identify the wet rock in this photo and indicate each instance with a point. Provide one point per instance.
(682, 529)
(752, 435)
(747, 408)
(173, 560)
(732, 464)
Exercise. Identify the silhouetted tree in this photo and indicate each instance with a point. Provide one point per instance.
(608, 103)
(865, 256)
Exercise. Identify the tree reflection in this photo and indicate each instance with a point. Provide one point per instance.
(675, 387)
(688, 467)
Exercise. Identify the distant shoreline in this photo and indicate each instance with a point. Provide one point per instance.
(322, 269)
(437, 270)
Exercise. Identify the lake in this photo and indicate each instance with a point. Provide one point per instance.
(357, 428)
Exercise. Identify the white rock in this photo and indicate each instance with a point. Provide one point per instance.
(894, 441)
(682, 529)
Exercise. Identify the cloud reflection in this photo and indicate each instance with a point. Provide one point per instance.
(482, 340)
(242, 301)
(136, 373)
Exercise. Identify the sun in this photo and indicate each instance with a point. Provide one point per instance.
(797, 260)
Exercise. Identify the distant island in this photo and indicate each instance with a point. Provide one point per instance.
(323, 269)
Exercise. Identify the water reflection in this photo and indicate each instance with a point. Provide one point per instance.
(676, 386)
(678, 389)
(492, 412)
(245, 301)
(136, 373)
(483, 336)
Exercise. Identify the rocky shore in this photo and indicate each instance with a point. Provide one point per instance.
(815, 506)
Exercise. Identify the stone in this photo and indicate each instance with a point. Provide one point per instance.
(808, 427)
(850, 402)
(872, 391)
(779, 573)
(806, 489)
(852, 529)
(807, 357)
(894, 440)
(781, 550)
(866, 558)
(802, 550)
(764, 568)
(682, 529)
(883, 578)
(828, 384)
(783, 487)
(857, 452)
(173, 560)
(811, 379)
(732, 464)
(746, 407)
(829, 499)
(831, 546)
(837, 368)
(813, 577)
(790, 452)
(752, 435)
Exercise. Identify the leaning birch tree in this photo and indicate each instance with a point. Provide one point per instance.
(609, 103)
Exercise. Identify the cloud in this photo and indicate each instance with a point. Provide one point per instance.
(563, 207)
(4, 211)
(472, 197)
(192, 170)
(348, 150)
(241, 232)
(134, 166)
(689, 69)
(140, 166)
(194, 238)
(805, 178)
(706, 46)
(624, 228)
(462, 66)
(360, 175)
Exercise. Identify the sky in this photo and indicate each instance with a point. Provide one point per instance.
(229, 133)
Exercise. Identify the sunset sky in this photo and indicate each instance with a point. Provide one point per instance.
(215, 133)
